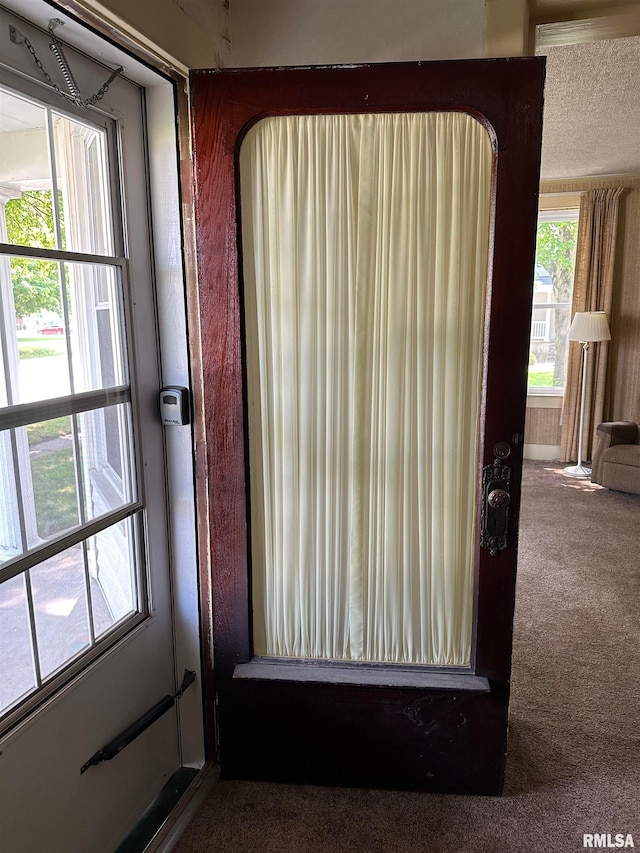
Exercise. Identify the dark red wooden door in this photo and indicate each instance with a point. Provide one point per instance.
(424, 730)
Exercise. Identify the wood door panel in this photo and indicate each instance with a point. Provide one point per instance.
(405, 739)
(291, 731)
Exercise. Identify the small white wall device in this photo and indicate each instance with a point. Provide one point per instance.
(174, 405)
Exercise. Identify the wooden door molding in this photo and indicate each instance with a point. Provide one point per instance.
(224, 106)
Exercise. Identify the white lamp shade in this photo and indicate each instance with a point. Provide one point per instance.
(590, 326)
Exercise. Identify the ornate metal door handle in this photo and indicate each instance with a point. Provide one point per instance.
(494, 515)
(499, 498)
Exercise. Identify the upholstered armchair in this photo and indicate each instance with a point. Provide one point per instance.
(616, 461)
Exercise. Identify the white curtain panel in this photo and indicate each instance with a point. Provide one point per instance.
(365, 243)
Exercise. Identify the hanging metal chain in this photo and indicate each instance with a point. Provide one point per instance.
(56, 46)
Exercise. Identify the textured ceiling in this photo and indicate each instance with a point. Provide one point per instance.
(592, 109)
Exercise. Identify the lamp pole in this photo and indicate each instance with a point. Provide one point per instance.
(580, 470)
(586, 327)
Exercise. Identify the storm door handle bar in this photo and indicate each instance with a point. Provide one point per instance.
(141, 724)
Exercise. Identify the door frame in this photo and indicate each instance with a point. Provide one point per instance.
(224, 106)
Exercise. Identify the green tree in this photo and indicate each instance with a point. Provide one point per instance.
(30, 222)
(556, 250)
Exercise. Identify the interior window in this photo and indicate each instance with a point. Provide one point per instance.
(70, 562)
(552, 298)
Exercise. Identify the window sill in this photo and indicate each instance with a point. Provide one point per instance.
(363, 675)
(544, 401)
(545, 392)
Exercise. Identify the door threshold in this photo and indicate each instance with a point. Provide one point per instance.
(164, 821)
(385, 675)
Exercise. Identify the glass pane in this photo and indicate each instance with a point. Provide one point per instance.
(52, 490)
(97, 326)
(38, 363)
(10, 536)
(364, 343)
(549, 344)
(107, 466)
(60, 607)
(3, 358)
(25, 169)
(80, 149)
(17, 676)
(113, 578)
(42, 342)
(552, 296)
(81, 162)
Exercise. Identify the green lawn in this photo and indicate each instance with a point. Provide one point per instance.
(38, 352)
(540, 378)
(54, 484)
(46, 430)
(54, 491)
(41, 347)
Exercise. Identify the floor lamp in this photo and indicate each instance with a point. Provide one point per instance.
(586, 328)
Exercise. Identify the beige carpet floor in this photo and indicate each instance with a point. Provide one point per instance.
(574, 756)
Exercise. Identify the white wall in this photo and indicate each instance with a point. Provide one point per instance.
(209, 33)
(318, 32)
(185, 34)
(194, 31)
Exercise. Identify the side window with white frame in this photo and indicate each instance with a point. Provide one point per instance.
(71, 576)
(552, 298)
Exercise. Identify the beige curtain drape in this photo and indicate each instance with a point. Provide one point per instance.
(592, 291)
(365, 242)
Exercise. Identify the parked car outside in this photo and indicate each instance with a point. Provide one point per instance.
(51, 330)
